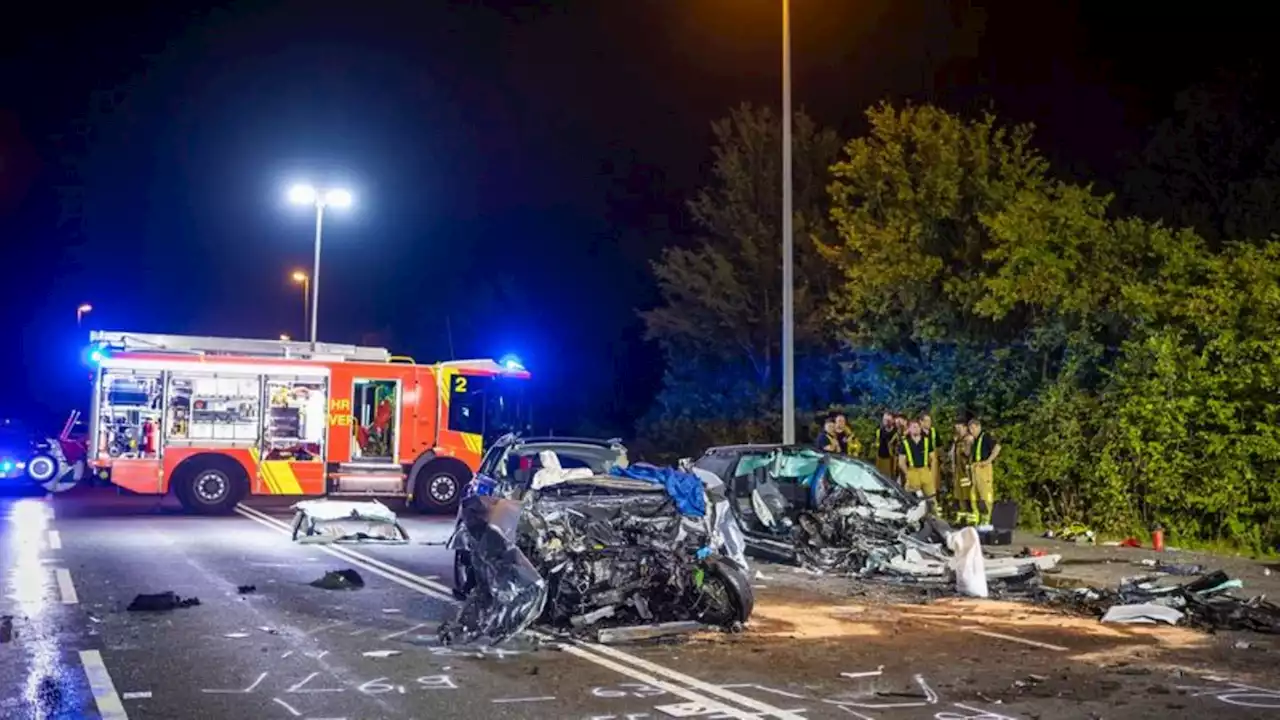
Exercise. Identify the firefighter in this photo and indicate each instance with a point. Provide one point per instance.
(914, 462)
(931, 436)
(846, 439)
(828, 440)
(899, 421)
(961, 481)
(985, 451)
(886, 435)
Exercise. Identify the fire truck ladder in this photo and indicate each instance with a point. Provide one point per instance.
(196, 345)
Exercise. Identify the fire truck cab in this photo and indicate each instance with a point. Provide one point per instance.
(216, 419)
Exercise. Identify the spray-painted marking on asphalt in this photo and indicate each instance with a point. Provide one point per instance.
(609, 658)
(104, 690)
(1015, 638)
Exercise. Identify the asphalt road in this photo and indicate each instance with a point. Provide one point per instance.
(288, 650)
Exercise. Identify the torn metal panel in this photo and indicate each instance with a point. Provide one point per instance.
(340, 521)
(606, 552)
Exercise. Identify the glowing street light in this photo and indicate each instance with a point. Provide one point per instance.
(320, 199)
(304, 280)
(284, 337)
(84, 309)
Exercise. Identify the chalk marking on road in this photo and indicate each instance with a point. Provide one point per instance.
(65, 587)
(327, 626)
(55, 540)
(104, 690)
(602, 655)
(297, 687)
(406, 631)
(245, 691)
(1015, 638)
(286, 706)
(544, 698)
(693, 682)
(361, 631)
(930, 698)
(978, 714)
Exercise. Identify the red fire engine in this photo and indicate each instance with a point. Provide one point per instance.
(216, 419)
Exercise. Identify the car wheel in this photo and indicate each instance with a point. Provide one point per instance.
(437, 489)
(462, 576)
(211, 488)
(42, 468)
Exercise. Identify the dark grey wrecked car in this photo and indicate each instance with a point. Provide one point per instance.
(835, 513)
(592, 551)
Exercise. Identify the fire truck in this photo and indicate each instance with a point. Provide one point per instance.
(216, 419)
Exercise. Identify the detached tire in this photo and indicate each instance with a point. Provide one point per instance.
(437, 488)
(211, 487)
(463, 576)
(727, 596)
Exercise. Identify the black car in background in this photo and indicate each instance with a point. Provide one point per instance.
(25, 460)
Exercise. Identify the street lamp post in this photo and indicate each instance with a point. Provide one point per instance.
(305, 281)
(308, 195)
(81, 311)
(788, 269)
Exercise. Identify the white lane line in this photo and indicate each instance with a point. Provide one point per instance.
(1015, 638)
(55, 540)
(414, 582)
(693, 682)
(544, 698)
(406, 631)
(65, 587)
(104, 690)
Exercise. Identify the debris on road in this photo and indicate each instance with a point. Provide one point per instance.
(617, 635)
(1204, 603)
(341, 521)
(339, 580)
(246, 589)
(161, 602)
(137, 695)
(235, 635)
(6, 628)
(1148, 613)
(380, 653)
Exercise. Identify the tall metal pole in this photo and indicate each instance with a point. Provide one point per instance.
(306, 303)
(315, 274)
(788, 270)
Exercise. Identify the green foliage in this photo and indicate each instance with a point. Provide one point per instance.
(719, 319)
(1130, 370)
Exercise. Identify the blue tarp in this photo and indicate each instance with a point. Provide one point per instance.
(684, 488)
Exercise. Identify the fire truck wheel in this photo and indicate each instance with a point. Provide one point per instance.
(211, 487)
(438, 486)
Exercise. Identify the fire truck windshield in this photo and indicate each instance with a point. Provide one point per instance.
(487, 406)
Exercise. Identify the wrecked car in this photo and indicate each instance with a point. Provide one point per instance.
(836, 513)
(582, 550)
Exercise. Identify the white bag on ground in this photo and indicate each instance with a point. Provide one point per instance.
(971, 576)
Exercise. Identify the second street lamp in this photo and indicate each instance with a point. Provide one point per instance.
(320, 199)
(304, 280)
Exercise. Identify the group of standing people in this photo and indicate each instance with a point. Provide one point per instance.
(908, 450)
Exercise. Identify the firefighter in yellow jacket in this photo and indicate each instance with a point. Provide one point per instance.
(914, 462)
(886, 435)
(931, 436)
(985, 451)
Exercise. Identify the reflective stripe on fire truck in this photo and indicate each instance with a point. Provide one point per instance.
(277, 475)
(473, 442)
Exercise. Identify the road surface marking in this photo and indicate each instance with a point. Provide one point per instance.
(104, 691)
(245, 691)
(1015, 638)
(65, 586)
(578, 649)
(286, 706)
(544, 698)
(406, 631)
(55, 540)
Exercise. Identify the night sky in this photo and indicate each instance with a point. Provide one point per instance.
(515, 165)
